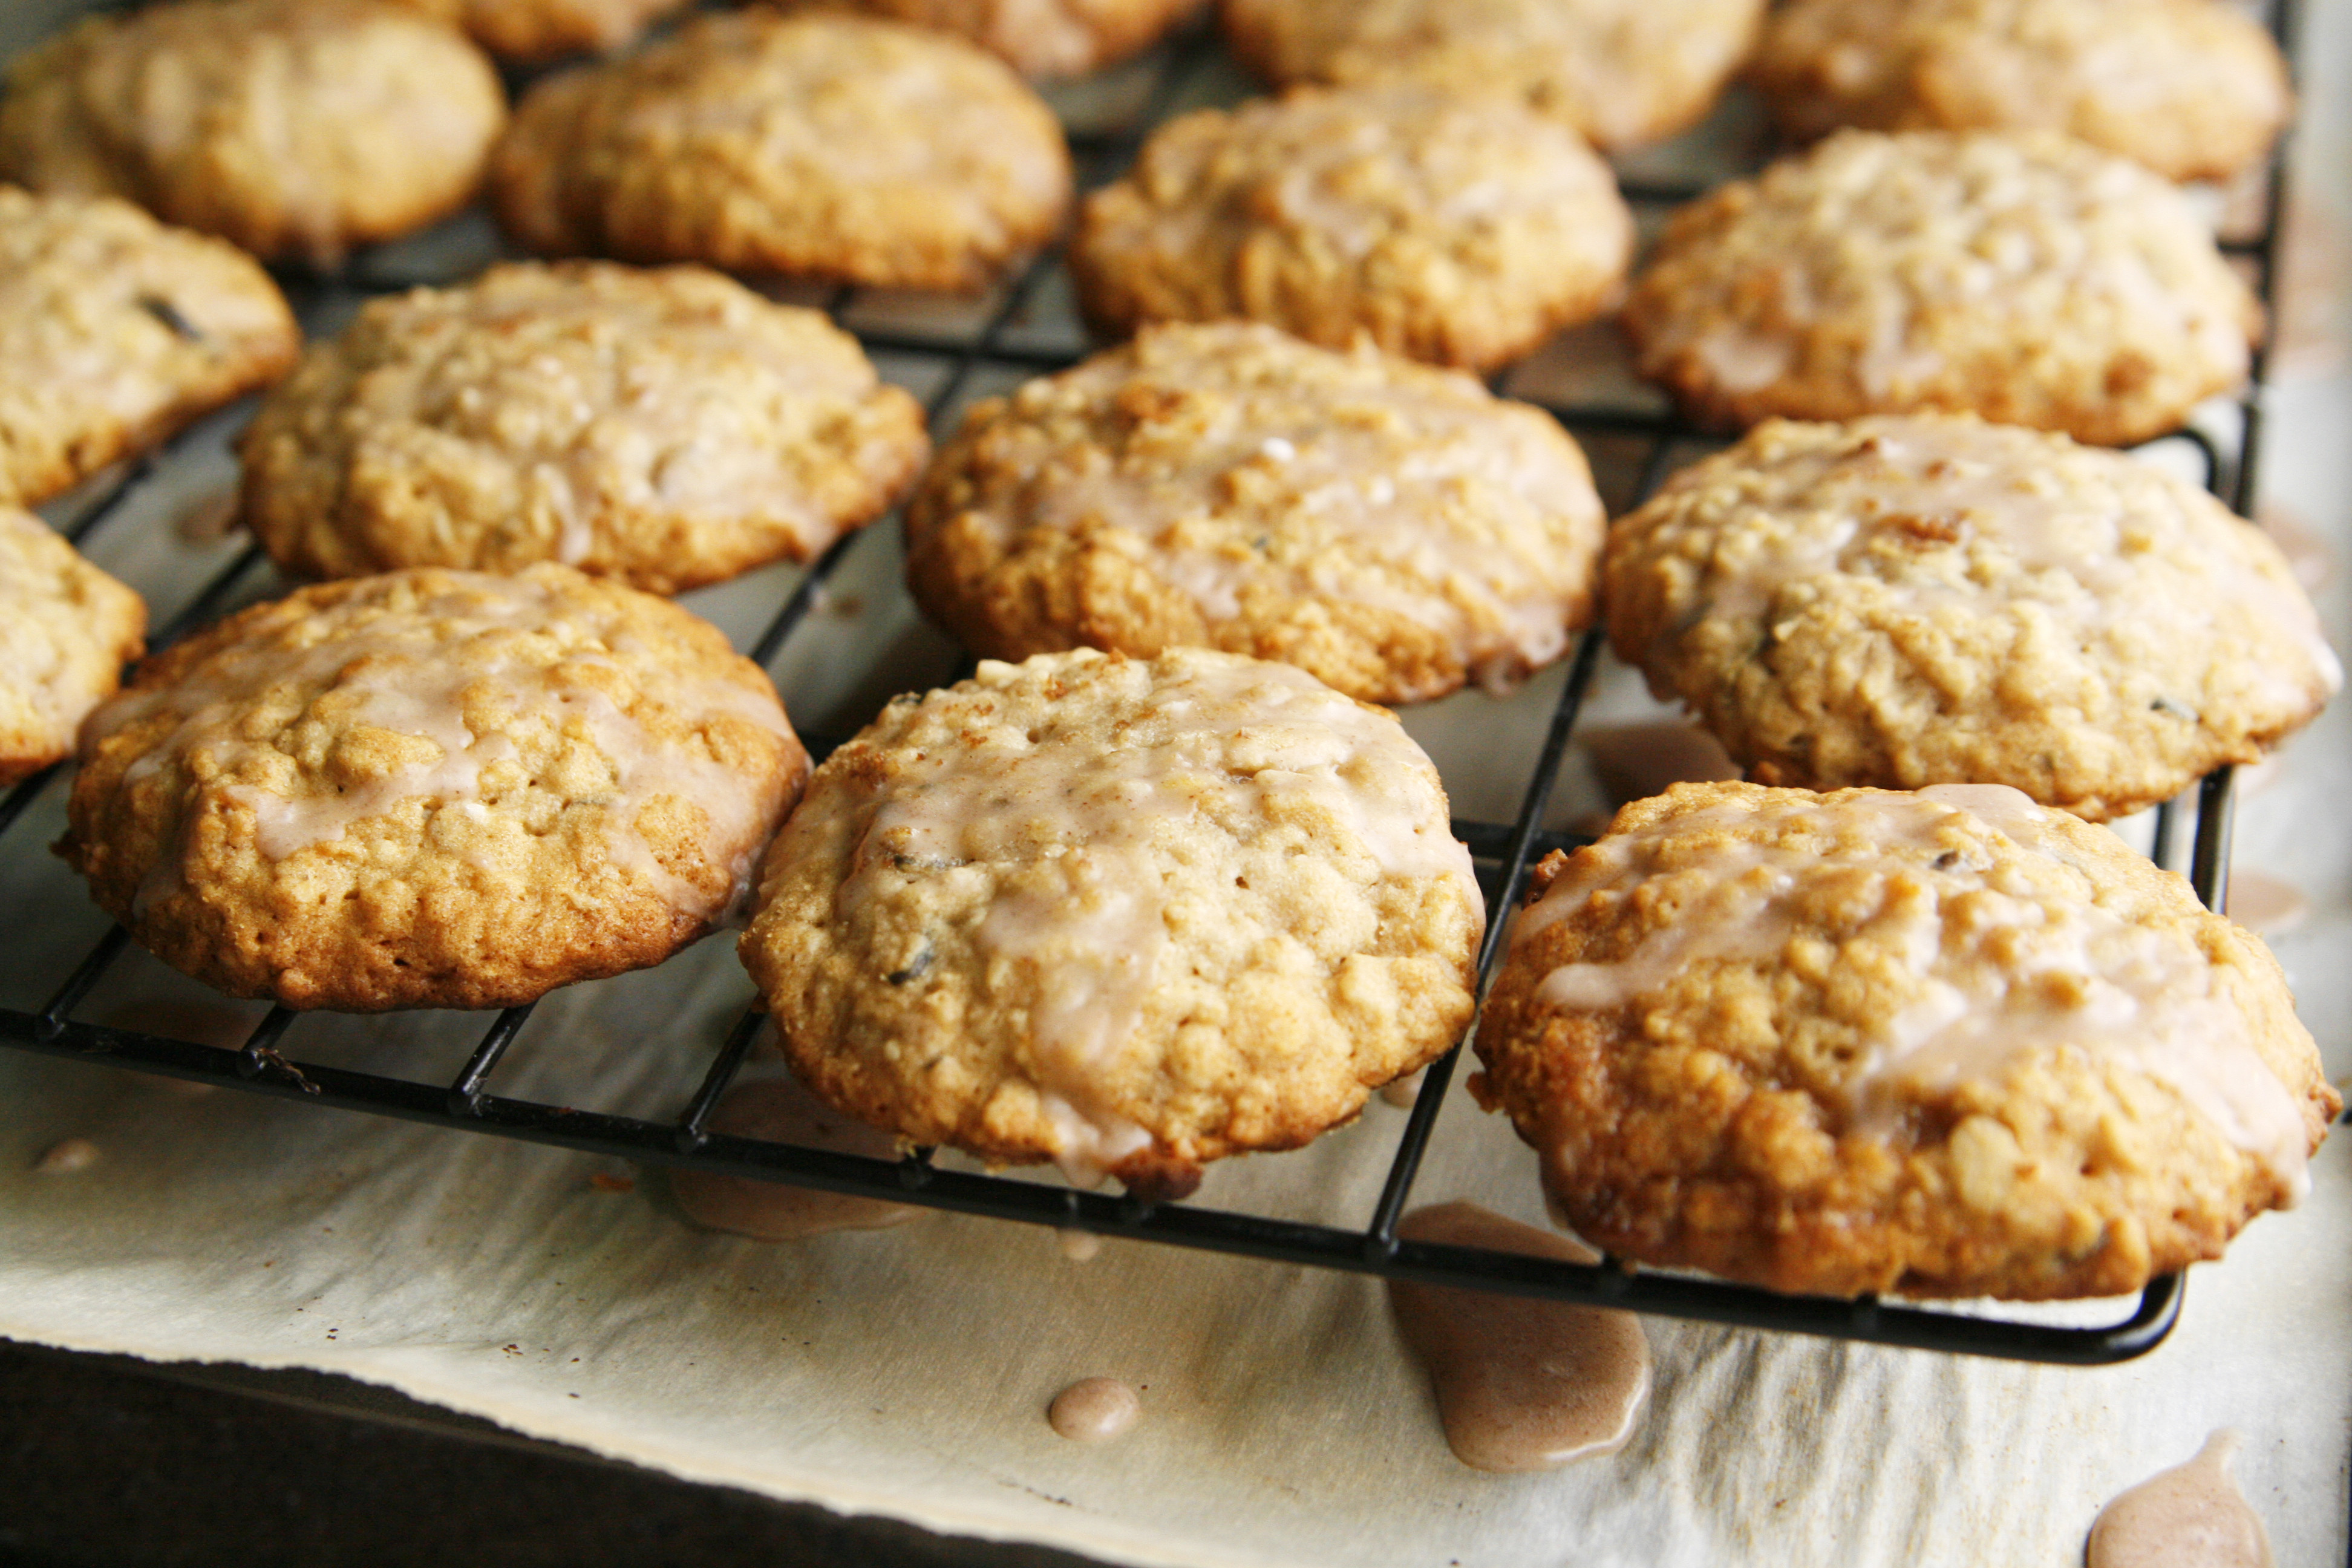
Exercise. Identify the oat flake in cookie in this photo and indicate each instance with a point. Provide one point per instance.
(1458, 231)
(817, 146)
(1127, 915)
(296, 128)
(1393, 529)
(65, 631)
(667, 428)
(1948, 1044)
(2021, 277)
(432, 789)
(1927, 599)
(115, 331)
(1623, 72)
(2193, 89)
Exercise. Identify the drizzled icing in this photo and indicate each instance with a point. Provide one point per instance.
(1081, 830)
(1944, 511)
(1997, 970)
(428, 705)
(1275, 471)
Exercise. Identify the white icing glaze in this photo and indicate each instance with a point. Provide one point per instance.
(1239, 741)
(415, 676)
(2082, 979)
(1976, 485)
(1333, 462)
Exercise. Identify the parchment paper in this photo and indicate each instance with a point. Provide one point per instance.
(906, 1372)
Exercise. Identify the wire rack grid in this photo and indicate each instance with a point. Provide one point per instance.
(996, 342)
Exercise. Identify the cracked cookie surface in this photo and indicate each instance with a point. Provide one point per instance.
(1914, 600)
(1394, 528)
(816, 145)
(1459, 231)
(116, 332)
(65, 631)
(1946, 1044)
(667, 428)
(2021, 277)
(2193, 89)
(432, 789)
(1128, 915)
(295, 128)
(1623, 72)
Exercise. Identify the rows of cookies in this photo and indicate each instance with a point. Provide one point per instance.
(1158, 884)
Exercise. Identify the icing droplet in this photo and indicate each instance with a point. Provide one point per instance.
(1094, 1409)
(1078, 1245)
(1521, 1384)
(2192, 1516)
(1401, 1092)
(2266, 904)
(66, 1156)
(780, 1111)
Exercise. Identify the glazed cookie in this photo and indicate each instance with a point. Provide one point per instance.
(1948, 1044)
(432, 789)
(2193, 89)
(1623, 72)
(1458, 231)
(533, 30)
(669, 428)
(2025, 278)
(65, 631)
(1917, 600)
(1042, 38)
(296, 128)
(115, 331)
(1127, 915)
(1395, 530)
(820, 146)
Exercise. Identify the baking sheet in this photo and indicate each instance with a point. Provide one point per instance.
(906, 1372)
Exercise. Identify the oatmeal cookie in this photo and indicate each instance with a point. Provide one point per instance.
(2024, 277)
(534, 30)
(1462, 231)
(1127, 915)
(1040, 38)
(1926, 599)
(432, 789)
(115, 331)
(65, 631)
(296, 128)
(1624, 72)
(1948, 1044)
(668, 428)
(816, 145)
(1395, 530)
(2193, 89)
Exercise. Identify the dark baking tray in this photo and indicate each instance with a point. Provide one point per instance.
(1504, 852)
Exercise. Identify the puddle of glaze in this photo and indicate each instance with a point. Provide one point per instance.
(2192, 1516)
(781, 1111)
(1094, 1409)
(1521, 1385)
(211, 518)
(66, 1156)
(1401, 1092)
(1634, 762)
(2266, 904)
(1076, 1244)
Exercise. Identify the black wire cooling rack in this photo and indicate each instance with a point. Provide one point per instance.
(1504, 853)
